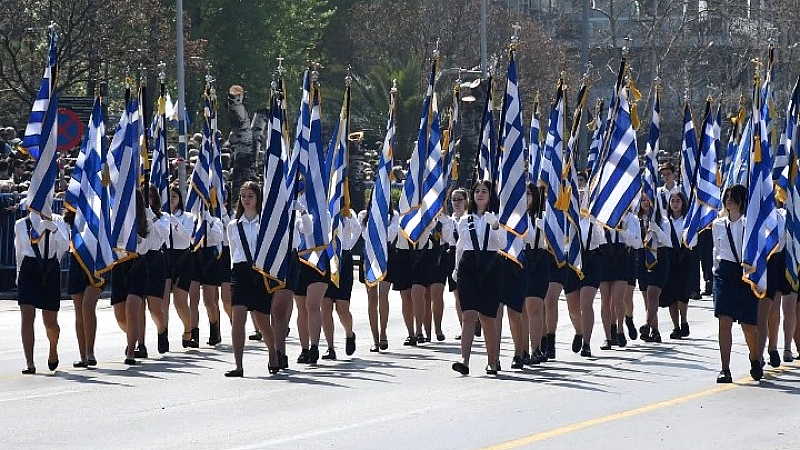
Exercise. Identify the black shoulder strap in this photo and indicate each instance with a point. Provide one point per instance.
(473, 234)
(733, 245)
(245, 245)
(676, 243)
(589, 235)
(35, 246)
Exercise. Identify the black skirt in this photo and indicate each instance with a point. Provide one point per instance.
(477, 282)
(206, 266)
(307, 276)
(157, 278)
(248, 289)
(512, 284)
(776, 275)
(78, 280)
(410, 267)
(449, 258)
(179, 267)
(676, 288)
(537, 272)
(614, 262)
(345, 289)
(732, 296)
(127, 278)
(39, 283)
(224, 265)
(558, 274)
(591, 273)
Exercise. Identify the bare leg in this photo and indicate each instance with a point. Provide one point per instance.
(383, 307)
(302, 321)
(89, 313)
(458, 306)
(761, 328)
(327, 320)
(408, 311)
(194, 304)
(774, 322)
(28, 313)
(467, 334)
(534, 307)
(725, 338)
(587, 312)
(427, 315)
(492, 344)
(180, 298)
(166, 300)
(211, 302)
(515, 324)
(618, 293)
(313, 305)
(133, 306)
(789, 320)
(50, 319)
(605, 308)
(225, 295)
(418, 299)
(653, 293)
(239, 314)
(156, 313)
(372, 312)
(574, 308)
(263, 323)
(77, 301)
(281, 313)
(551, 306)
(437, 297)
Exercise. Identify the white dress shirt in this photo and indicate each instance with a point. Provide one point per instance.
(250, 227)
(722, 246)
(58, 237)
(497, 238)
(181, 225)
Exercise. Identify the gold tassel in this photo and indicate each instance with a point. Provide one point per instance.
(562, 203)
(635, 116)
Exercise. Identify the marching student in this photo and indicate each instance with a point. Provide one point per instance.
(733, 298)
(248, 290)
(458, 199)
(615, 257)
(84, 298)
(339, 296)
(206, 273)
(378, 296)
(670, 186)
(536, 272)
(653, 274)
(675, 294)
(159, 233)
(434, 293)
(779, 292)
(635, 244)
(479, 240)
(413, 269)
(224, 265)
(179, 264)
(39, 243)
(127, 288)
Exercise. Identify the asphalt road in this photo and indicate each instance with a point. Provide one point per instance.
(646, 396)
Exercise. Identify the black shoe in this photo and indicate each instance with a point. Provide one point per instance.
(695, 295)
(256, 336)
(91, 362)
(163, 342)
(283, 360)
(29, 371)
(538, 357)
(421, 339)
(676, 333)
(131, 362)
(613, 334)
(774, 358)
(631, 328)
(586, 351)
(330, 355)
(235, 373)
(461, 368)
(724, 376)
(80, 364)
(478, 328)
(195, 342)
(313, 354)
(526, 358)
(491, 370)
(757, 369)
(497, 365)
(303, 358)
(685, 329)
(140, 352)
(374, 348)
(516, 363)
(621, 341)
(52, 365)
(411, 340)
(186, 343)
(350, 345)
(707, 290)
(606, 345)
(273, 369)
(551, 346)
(214, 335)
(383, 344)
(440, 337)
(787, 356)
(655, 336)
(576, 343)
(644, 331)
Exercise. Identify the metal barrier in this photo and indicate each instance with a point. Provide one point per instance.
(8, 260)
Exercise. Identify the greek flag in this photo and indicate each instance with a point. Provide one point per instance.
(649, 177)
(338, 204)
(535, 148)
(218, 192)
(690, 152)
(598, 128)
(705, 201)
(123, 168)
(412, 187)
(618, 182)
(41, 136)
(274, 233)
(761, 229)
(377, 237)
(574, 246)
(315, 189)
(555, 223)
(513, 201)
(792, 203)
(416, 222)
(87, 195)
(487, 165)
(159, 175)
(201, 192)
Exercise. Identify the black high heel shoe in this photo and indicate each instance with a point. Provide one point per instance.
(29, 371)
(52, 365)
(186, 343)
(274, 369)
(195, 341)
(235, 373)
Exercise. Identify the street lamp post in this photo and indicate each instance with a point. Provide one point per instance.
(181, 97)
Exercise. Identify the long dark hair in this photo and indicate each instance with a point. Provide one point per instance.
(684, 204)
(537, 199)
(155, 201)
(737, 194)
(177, 190)
(492, 206)
(253, 186)
(141, 215)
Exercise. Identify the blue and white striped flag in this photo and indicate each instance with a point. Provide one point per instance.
(598, 131)
(123, 168)
(200, 188)
(649, 186)
(618, 181)
(417, 221)
(690, 152)
(513, 201)
(761, 229)
(487, 167)
(412, 187)
(159, 169)
(87, 195)
(377, 236)
(338, 206)
(274, 233)
(792, 204)
(41, 135)
(705, 201)
(315, 187)
(574, 245)
(535, 147)
(555, 219)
